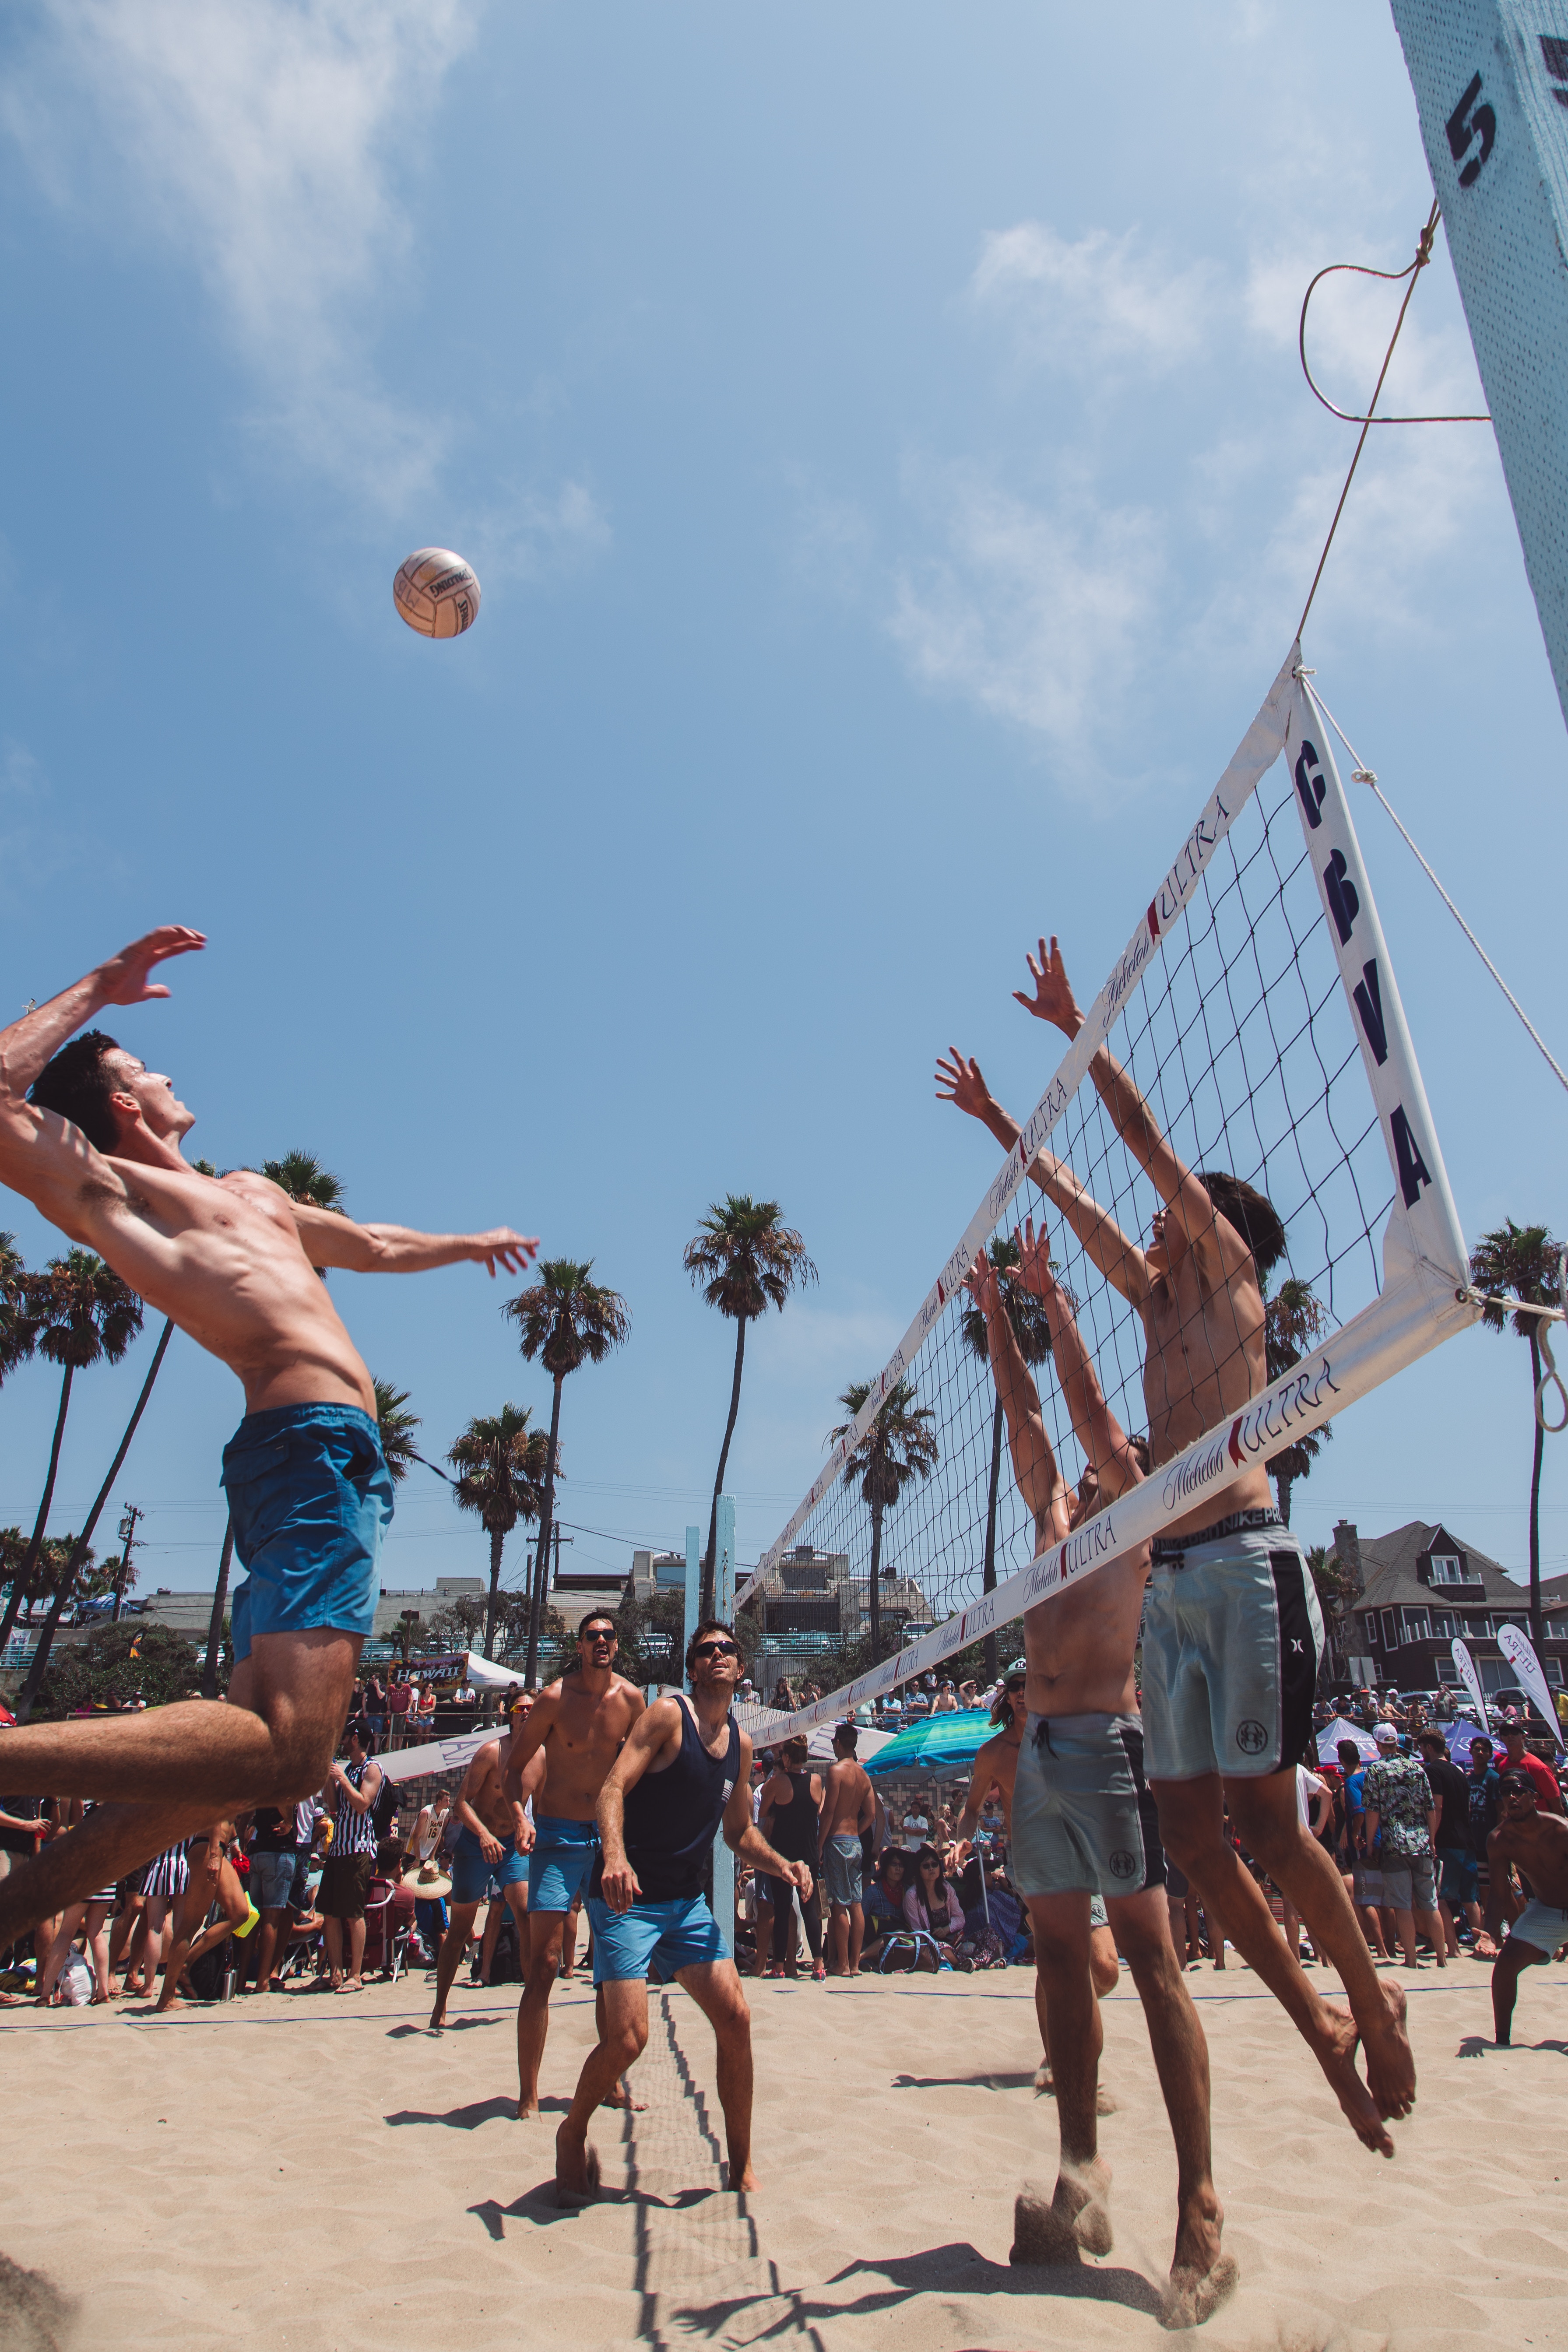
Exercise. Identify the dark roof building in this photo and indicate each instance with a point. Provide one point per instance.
(1421, 1587)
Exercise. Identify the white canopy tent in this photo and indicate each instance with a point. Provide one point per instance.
(1341, 1727)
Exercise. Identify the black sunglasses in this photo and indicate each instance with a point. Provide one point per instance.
(717, 1650)
(600, 1633)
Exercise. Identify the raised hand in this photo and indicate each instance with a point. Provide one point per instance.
(1052, 999)
(1033, 1270)
(981, 1282)
(959, 1080)
(123, 979)
(513, 1253)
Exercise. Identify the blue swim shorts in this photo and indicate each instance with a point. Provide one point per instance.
(309, 1497)
(681, 1934)
(564, 1853)
(474, 1878)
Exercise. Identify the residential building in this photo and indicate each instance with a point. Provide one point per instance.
(1421, 1587)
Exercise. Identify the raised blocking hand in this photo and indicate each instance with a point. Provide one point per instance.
(123, 979)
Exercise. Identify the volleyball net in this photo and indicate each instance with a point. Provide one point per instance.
(1255, 1011)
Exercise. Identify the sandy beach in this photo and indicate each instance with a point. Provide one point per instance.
(311, 2170)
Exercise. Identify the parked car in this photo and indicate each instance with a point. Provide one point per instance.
(1510, 1694)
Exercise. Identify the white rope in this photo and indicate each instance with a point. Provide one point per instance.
(1362, 775)
(1551, 1377)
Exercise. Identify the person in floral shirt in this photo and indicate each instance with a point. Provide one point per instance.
(1401, 1817)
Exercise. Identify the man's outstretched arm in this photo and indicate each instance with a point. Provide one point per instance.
(330, 1240)
(1053, 1001)
(960, 1080)
(43, 1156)
(1095, 1426)
(1035, 1466)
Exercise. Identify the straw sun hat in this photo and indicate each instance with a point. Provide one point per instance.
(430, 1884)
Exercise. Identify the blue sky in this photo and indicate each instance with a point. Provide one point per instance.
(880, 436)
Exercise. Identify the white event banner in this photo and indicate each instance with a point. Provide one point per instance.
(1425, 1295)
(1516, 1649)
(1471, 1680)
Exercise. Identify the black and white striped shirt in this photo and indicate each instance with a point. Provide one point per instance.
(354, 1833)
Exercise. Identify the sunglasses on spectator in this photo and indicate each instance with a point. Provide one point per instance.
(717, 1650)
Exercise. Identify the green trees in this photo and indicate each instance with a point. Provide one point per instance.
(566, 1319)
(82, 1314)
(501, 1464)
(397, 1426)
(746, 1260)
(1032, 1325)
(18, 1332)
(120, 1662)
(1521, 1261)
(1292, 1322)
(900, 1446)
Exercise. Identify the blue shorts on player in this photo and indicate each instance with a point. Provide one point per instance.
(309, 1497)
(1232, 1637)
(680, 1934)
(474, 1879)
(563, 1855)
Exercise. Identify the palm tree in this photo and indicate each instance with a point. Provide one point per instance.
(501, 1464)
(18, 1332)
(1521, 1261)
(1032, 1325)
(303, 1178)
(565, 1320)
(40, 1657)
(1292, 1322)
(84, 1314)
(747, 1260)
(898, 1447)
(397, 1426)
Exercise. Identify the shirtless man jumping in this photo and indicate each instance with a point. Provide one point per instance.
(997, 1766)
(575, 1729)
(1233, 1633)
(848, 1811)
(1083, 1825)
(495, 1836)
(91, 1137)
(1538, 1841)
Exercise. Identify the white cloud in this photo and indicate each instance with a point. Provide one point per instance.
(528, 534)
(1095, 302)
(259, 136)
(1034, 613)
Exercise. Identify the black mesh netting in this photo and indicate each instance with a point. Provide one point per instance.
(1239, 1039)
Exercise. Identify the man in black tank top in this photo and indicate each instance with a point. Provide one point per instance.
(686, 1768)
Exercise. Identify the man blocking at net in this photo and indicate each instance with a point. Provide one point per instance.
(95, 1146)
(1232, 1634)
(1083, 1825)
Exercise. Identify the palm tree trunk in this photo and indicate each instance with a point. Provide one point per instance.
(876, 1597)
(493, 1600)
(1282, 1485)
(541, 1562)
(723, 1466)
(214, 1622)
(1535, 1628)
(22, 1583)
(988, 1573)
(40, 1658)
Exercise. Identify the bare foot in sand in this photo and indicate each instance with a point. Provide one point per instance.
(748, 2179)
(1202, 2277)
(576, 2170)
(1336, 2056)
(1075, 2219)
(621, 2097)
(1390, 2061)
(1105, 2103)
(439, 2017)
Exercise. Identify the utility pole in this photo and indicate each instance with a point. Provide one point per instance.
(131, 1513)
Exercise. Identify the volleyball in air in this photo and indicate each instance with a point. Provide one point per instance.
(436, 593)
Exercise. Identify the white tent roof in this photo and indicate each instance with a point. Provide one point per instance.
(486, 1676)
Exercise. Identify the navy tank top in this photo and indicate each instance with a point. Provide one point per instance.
(672, 1817)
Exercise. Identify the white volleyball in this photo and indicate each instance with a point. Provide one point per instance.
(436, 593)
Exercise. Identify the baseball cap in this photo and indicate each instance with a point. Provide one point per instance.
(1386, 1735)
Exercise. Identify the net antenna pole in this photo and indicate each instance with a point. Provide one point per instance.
(693, 1600)
(724, 1607)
